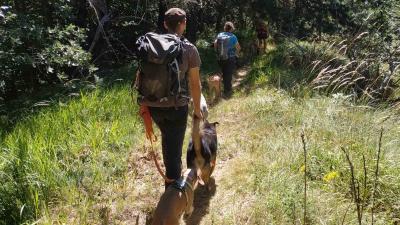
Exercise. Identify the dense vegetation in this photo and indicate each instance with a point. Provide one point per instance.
(67, 123)
(53, 42)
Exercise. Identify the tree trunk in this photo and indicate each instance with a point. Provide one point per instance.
(218, 23)
(47, 10)
(192, 22)
(242, 19)
(20, 6)
(100, 42)
(162, 8)
(81, 9)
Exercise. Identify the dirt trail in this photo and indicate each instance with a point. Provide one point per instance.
(203, 195)
(147, 185)
(241, 74)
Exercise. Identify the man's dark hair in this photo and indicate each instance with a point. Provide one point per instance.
(174, 17)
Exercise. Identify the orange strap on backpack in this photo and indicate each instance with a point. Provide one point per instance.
(148, 125)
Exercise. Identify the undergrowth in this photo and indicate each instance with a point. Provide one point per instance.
(79, 161)
(66, 153)
(305, 68)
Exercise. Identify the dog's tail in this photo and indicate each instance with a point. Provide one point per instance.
(197, 142)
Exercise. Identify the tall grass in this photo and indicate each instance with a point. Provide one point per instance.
(328, 68)
(65, 153)
(60, 157)
(263, 182)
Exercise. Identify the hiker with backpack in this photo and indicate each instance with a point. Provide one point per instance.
(262, 36)
(169, 66)
(227, 47)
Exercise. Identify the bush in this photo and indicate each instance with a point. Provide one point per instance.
(32, 55)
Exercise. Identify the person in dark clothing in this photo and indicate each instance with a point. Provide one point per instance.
(262, 35)
(227, 47)
(172, 119)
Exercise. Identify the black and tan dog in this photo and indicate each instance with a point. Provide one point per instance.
(201, 158)
(208, 150)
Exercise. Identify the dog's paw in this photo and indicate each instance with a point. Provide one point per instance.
(209, 187)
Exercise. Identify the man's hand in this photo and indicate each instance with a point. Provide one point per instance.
(198, 114)
(203, 107)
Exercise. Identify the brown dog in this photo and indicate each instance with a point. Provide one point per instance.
(214, 85)
(177, 199)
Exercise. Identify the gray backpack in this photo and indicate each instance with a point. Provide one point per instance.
(223, 47)
(159, 58)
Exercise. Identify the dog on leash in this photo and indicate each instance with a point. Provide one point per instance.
(214, 85)
(177, 199)
(209, 145)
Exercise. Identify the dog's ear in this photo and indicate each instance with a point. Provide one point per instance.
(214, 124)
(199, 179)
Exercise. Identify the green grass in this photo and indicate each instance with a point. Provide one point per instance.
(59, 158)
(263, 182)
(82, 162)
(66, 153)
(289, 66)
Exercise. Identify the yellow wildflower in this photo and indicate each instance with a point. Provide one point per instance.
(330, 176)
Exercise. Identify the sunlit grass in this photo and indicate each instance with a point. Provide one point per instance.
(66, 153)
(263, 183)
(81, 162)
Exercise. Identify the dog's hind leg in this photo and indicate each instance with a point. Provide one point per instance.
(189, 212)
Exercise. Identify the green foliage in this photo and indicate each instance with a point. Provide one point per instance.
(66, 54)
(44, 42)
(329, 68)
(33, 55)
(209, 62)
(64, 150)
(67, 152)
(287, 66)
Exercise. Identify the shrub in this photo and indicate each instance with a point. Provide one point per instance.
(32, 55)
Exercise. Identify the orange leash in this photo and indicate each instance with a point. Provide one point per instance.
(148, 125)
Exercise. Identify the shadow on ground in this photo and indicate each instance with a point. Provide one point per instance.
(201, 203)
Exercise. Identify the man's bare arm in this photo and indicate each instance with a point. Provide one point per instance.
(238, 48)
(195, 89)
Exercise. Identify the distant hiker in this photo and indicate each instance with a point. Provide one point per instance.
(262, 35)
(3, 12)
(227, 47)
(169, 65)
